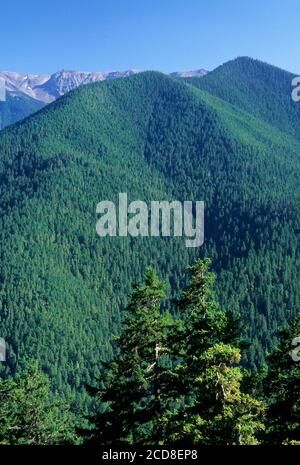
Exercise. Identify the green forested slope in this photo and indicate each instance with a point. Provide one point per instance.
(256, 87)
(62, 287)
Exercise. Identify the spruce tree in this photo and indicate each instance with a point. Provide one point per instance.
(131, 385)
(215, 410)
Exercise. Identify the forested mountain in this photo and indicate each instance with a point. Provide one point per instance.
(156, 138)
(256, 87)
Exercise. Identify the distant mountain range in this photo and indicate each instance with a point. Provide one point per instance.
(188, 74)
(46, 88)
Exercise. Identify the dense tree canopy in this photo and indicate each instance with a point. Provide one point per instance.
(63, 289)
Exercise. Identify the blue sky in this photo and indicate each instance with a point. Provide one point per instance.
(166, 35)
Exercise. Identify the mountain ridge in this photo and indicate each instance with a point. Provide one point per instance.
(45, 88)
(258, 88)
(27, 93)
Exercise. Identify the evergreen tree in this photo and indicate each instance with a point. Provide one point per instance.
(29, 414)
(216, 410)
(131, 391)
(282, 389)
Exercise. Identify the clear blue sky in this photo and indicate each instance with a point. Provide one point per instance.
(167, 35)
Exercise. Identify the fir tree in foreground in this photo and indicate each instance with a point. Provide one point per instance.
(132, 385)
(29, 414)
(216, 409)
(176, 380)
